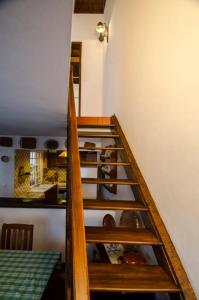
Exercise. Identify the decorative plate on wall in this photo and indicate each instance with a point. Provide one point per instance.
(5, 141)
(51, 144)
(28, 143)
(5, 158)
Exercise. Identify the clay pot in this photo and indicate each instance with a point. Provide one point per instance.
(109, 221)
(133, 258)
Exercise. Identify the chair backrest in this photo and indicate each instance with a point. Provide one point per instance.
(17, 236)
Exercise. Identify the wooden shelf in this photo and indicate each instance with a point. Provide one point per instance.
(129, 278)
(121, 235)
(90, 134)
(102, 148)
(106, 163)
(114, 205)
(108, 181)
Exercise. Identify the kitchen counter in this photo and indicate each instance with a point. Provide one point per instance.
(61, 185)
(32, 195)
(42, 188)
(48, 190)
(33, 203)
(37, 192)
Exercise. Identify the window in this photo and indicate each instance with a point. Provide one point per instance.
(36, 167)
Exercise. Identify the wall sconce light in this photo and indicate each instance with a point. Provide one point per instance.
(63, 154)
(102, 29)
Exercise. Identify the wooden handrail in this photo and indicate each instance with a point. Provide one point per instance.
(76, 242)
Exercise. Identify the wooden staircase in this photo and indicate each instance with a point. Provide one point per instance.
(167, 276)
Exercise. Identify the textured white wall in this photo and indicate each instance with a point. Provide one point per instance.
(83, 26)
(7, 171)
(34, 60)
(83, 30)
(49, 226)
(151, 82)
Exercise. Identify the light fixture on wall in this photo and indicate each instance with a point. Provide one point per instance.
(102, 29)
(63, 154)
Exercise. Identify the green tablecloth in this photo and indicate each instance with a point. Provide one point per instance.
(25, 274)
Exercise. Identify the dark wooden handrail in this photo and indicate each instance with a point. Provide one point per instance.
(78, 284)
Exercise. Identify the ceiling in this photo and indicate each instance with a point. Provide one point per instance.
(34, 50)
(89, 6)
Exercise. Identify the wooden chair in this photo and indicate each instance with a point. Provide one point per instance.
(17, 236)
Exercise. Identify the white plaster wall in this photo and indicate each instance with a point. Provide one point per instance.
(151, 83)
(83, 26)
(49, 226)
(83, 30)
(34, 64)
(7, 173)
(89, 191)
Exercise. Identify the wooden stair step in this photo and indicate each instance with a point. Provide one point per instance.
(94, 122)
(100, 163)
(95, 126)
(108, 181)
(120, 235)
(130, 278)
(114, 205)
(102, 148)
(90, 134)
